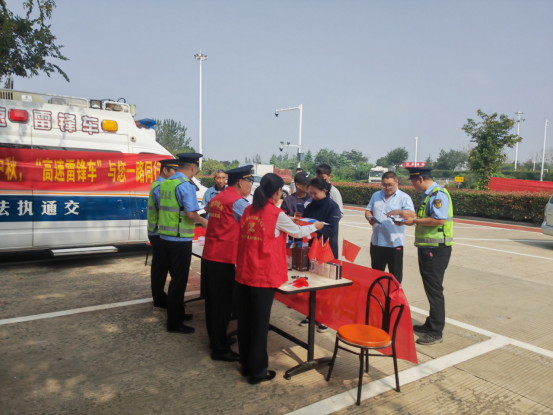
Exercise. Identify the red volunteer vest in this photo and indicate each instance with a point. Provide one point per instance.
(221, 238)
(261, 258)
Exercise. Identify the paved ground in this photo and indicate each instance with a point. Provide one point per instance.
(497, 354)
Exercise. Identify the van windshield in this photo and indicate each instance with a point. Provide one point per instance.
(376, 173)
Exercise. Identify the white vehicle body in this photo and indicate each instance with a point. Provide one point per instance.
(66, 179)
(547, 225)
(375, 174)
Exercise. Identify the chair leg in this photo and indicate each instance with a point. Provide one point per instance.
(333, 360)
(361, 357)
(395, 368)
(367, 360)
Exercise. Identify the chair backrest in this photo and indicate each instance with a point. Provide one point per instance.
(385, 284)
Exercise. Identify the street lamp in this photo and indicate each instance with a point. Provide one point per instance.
(282, 145)
(416, 149)
(543, 154)
(200, 58)
(518, 131)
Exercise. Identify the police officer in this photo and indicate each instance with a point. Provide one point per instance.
(178, 214)
(433, 238)
(219, 259)
(160, 267)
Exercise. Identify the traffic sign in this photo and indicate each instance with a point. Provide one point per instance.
(459, 179)
(412, 164)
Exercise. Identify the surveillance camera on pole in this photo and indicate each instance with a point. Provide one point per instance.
(281, 147)
(300, 155)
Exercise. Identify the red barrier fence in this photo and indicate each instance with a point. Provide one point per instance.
(516, 185)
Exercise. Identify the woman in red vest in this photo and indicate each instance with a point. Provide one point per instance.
(260, 269)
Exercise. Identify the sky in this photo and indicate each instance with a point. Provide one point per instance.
(370, 75)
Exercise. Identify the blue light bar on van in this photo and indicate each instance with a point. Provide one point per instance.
(146, 123)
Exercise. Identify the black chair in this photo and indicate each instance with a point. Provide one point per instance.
(367, 337)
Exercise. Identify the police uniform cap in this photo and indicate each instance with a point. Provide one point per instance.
(189, 157)
(169, 163)
(418, 171)
(240, 172)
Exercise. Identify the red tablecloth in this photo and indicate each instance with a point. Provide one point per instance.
(346, 305)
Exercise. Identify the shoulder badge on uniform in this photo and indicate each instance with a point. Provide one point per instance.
(437, 203)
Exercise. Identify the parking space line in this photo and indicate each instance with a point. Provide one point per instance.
(82, 310)
(501, 250)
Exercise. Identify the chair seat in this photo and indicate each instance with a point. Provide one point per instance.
(366, 336)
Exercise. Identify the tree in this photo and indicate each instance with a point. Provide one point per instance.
(327, 156)
(383, 162)
(491, 136)
(27, 42)
(308, 157)
(356, 157)
(273, 160)
(247, 160)
(429, 162)
(257, 159)
(397, 156)
(172, 136)
(209, 166)
(451, 160)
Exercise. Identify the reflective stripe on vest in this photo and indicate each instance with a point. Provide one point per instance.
(153, 216)
(172, 217)
(435, 235)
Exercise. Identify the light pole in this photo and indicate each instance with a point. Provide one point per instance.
(299, 107)
(416, 149)
(543, 153)
(200, 58)
(518, 131)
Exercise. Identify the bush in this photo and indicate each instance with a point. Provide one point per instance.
(517, 206)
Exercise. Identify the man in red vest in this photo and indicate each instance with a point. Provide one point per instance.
(219, 259)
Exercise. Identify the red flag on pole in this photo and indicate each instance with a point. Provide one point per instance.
(350, 251)
(326, 254)
(315, 250)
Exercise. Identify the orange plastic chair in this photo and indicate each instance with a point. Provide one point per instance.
(367, 337)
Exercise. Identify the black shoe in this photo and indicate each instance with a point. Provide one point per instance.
(270, 376)
(231, 340)
(428, 339)
(322, 328)
(420, 328)
(182, 329)
(226, 357)
(187, 317)
(244, 372)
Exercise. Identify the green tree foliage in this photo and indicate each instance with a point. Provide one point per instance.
(397, 156)
(429, 162)
(491, 136)
(326, 156)
(383, 162)
(257, 159)
(26, 43)
(356, 157)
(209, 166)
(172, 136)
(451, 160)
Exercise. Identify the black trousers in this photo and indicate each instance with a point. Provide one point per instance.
(158, 273)
(254, 314)
(393, 257)
(432, 264)
(179, 256)
(217, 289)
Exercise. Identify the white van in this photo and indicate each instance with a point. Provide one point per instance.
(74, 172)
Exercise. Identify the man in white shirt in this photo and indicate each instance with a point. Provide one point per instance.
(388, 239)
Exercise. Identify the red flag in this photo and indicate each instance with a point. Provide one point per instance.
(326, 254)
(315, 250)
(350, 250)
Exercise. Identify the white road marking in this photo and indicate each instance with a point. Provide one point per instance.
(82, 310)
(506, 240)
(377, 387)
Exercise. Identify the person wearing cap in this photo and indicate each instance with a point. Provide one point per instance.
(160, 267)
(293, 184)
(301, 195)
(260, 269)
(220, 184)
(219, 259)
(178, 215)
(433, 238)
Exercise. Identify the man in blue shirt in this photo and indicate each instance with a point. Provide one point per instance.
(388, 239)
(220, 185)
(179, 249)
(160, 267)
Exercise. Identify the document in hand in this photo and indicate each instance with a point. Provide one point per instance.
(310, 220)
